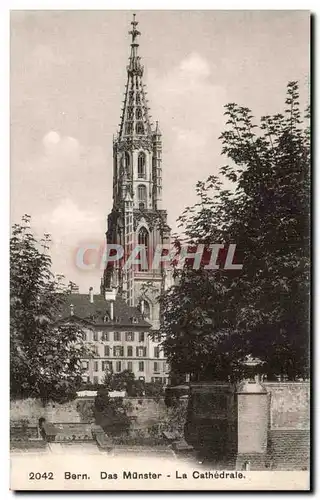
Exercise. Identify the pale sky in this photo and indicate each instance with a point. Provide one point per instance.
(68, 72)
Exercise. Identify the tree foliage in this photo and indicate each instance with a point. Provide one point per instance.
(45, 356)
(213, 319)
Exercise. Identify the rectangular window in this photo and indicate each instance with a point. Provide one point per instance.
(141, 366)
(141, 336)
(156, 367)
(95, 336)
(157, 352)
(129, 351)
(118, 366)
(141, 352)
(166, 368)
(117, 336)
(129, 336)
(106, 350)
(85, 365)
(96, 350)
(130, 366)
(105, 336)
(96, 366)
(118, 351)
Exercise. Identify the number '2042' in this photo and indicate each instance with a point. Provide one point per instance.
(40, 475)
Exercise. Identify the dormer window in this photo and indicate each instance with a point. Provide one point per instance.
(106, 319)
(134, 319)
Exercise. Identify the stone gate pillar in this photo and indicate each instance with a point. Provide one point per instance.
(253, 417)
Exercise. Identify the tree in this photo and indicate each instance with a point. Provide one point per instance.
(214, 319)
(110, 412)
(123, 381)
(45, 356)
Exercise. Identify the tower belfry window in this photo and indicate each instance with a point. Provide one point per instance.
(139, 114)
(142, 196)
(142, 166)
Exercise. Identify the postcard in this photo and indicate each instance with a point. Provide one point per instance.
(160, 250)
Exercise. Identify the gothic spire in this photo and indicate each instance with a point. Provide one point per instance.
(135, 119)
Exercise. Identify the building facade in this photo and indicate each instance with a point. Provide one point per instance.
(118, 335)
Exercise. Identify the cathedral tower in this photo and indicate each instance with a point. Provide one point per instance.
(137, 217)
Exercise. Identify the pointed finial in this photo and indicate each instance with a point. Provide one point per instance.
(157, 130)
(134, 32)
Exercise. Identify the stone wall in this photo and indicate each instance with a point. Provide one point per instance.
(289, 405)
(289, 408)
(144, 411)
(32, 409)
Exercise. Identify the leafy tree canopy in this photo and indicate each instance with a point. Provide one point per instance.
(45, 355)
(214, 319)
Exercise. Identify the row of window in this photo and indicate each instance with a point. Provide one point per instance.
(139, 113)
(106, 318)
(121, 365)
(139, 128)
(118, 351)
(141, 164)
(117, 336)
(163, 380)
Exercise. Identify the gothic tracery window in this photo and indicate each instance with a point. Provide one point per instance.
(143, 240)
(126, 160)
(139, 128)
(128, 128)
(142, 196)
(142, 166)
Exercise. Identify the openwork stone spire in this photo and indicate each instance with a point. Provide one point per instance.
(135, 120)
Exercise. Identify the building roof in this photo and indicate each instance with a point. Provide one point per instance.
(98, 312)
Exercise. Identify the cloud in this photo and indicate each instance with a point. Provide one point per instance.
(67, 213)
(195, 67)
(187, 98)
(60, 149)
(189, 106)
(72, 228)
